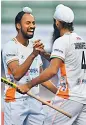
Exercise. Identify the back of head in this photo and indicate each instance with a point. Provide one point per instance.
(64, 13)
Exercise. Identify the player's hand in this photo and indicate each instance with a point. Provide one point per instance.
(38, 47)
(24, 88)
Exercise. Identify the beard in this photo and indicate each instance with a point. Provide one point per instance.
(56, 32)
(25, 35)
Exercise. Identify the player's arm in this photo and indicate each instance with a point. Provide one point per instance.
(48, 72)
(58, 57)
(45, 54)
(18, 70)
(48, 84)
(44, 76)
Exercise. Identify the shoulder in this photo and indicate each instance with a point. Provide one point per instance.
(10, 45)
(10, 48)
(62, 39)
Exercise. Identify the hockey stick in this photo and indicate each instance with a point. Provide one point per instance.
(4, 80)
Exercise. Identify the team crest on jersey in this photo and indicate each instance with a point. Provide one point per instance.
(27, 80)
(22, 56)
(78, 38)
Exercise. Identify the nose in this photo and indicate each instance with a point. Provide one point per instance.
(32, 25)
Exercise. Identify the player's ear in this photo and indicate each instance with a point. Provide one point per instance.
(57, 23)
(18, 26)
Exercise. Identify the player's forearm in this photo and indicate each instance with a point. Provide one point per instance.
(44, 76)
(45, 55)
(21, 70)
(50, 86)
(47, 73)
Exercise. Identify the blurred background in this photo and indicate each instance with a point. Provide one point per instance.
(43, 12)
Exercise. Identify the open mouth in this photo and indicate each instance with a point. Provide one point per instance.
(30, 31)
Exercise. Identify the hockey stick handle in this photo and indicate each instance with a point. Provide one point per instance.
(4, 80)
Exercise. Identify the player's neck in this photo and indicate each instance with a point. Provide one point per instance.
(64, 31)
(22, 40)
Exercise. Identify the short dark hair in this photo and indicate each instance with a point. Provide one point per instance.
(18, 18)
(68, 26)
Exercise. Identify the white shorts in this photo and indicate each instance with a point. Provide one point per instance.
(26, 111)
(77, 110)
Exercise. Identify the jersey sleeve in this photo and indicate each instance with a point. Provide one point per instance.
(10, 52)
(59, 49)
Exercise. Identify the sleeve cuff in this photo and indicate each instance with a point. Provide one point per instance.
(9, 61)
(59, 57)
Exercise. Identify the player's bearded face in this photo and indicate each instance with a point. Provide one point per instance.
(29, 33)
(56, 32)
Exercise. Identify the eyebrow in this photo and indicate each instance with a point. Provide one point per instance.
(30, 21)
